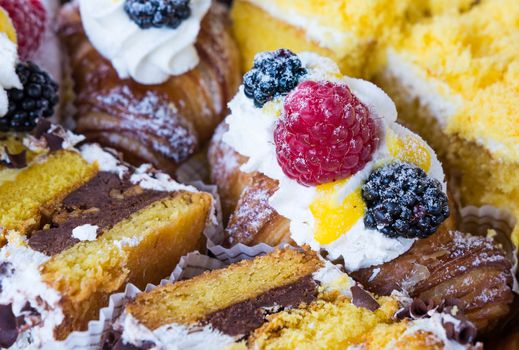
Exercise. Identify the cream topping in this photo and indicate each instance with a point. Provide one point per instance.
(149, 56)
(24, 286)
(332, 278)
(434, 326)
(8, 77)
(251, 132)
(85, 232)
(173, 336)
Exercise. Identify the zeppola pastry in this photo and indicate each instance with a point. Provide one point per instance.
(155, 100)
(328, 166)
(289, 299)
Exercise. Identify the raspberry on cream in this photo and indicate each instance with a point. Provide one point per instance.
(148, 56)
(330, 216)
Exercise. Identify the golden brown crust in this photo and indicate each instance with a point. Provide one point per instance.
(450, 264)
(161, 124)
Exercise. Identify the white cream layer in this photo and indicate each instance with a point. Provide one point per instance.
(8, 77)
(142, 176)
(251, 133)
(173, 336)
(149, 56)
(25, 285)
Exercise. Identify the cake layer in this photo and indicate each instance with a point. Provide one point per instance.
(42, 184)
(194, 300)
(103, 201)
(349, 31)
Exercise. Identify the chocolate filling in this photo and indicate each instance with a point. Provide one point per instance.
(103, 201)
(8, 328)
(242, 318)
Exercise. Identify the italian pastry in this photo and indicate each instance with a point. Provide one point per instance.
(102, 225)
(351, 32)
(458, 88)
(155, 100)
(311, 157)
(287, 299)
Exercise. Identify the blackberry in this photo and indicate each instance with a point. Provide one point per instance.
(403, 201)
(37, 99)
(157, 13)
(274, 74)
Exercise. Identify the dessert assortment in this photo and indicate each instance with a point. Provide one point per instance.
(328, 224)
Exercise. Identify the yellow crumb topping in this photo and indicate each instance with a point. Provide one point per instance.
(324, 325)
(352, 32)
(411, 149)
(6, 26)
(334, 217)
(476, 55)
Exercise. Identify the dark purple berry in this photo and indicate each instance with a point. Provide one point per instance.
(402, 201)
(158, 13)
(274, 74)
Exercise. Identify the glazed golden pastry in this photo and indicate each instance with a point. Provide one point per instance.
(160, 124)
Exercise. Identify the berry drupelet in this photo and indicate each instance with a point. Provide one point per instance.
(158, 13)
(274, 74)
(403, 201)
(37, 99)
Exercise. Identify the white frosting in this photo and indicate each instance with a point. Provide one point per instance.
(85, 232)
(127, 242)
(149, 56)
(436, 96)
(326, 36)
(142, 176)
(434, 325)
(174, 336)
(8, 77)
(332, 278)
(25, 285)
(251, 132)
(158, 181)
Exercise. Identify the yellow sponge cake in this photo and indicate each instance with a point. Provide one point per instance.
(348, 31)
(455, 80)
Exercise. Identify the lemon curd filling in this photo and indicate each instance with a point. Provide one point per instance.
(410, 149)
(6, 26)
(333, 216)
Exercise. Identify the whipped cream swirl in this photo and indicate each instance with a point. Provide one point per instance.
(149, 56)
(8, 77)
(251, 133)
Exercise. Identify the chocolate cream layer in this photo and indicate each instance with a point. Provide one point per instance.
(103, 202)
(242, 318)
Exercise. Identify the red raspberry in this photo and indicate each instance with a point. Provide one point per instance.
(29, 18)
(325, 134)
